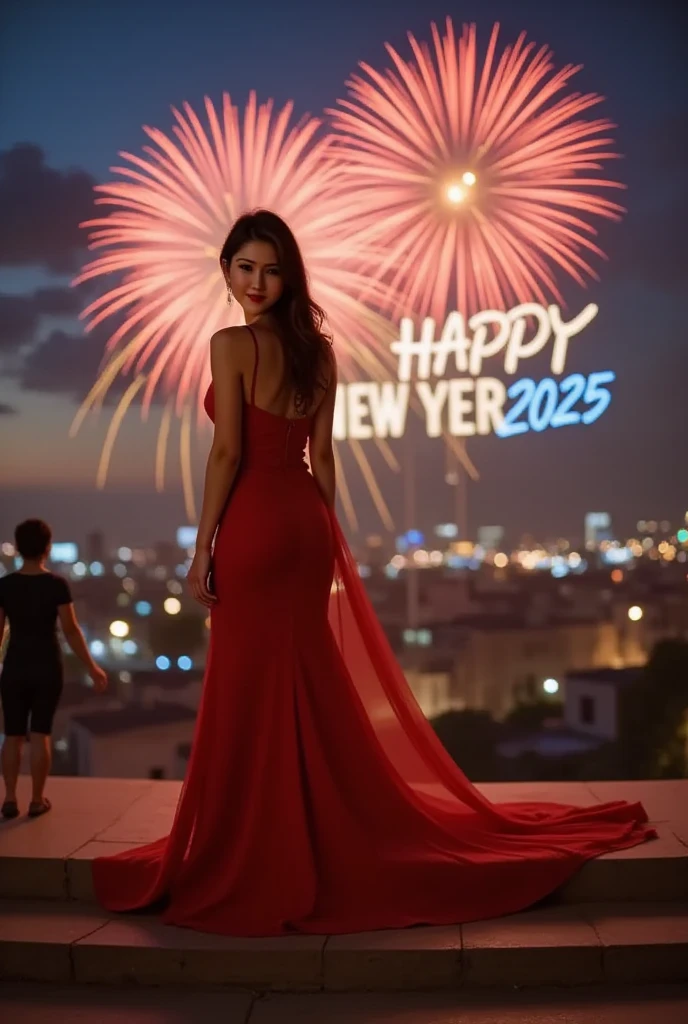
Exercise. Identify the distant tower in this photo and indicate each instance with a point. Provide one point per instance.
(456, 476)
(95, 546)
(490, 537)
(598, 527)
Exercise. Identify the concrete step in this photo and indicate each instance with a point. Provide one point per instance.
(50, 857)
(53, 1004)
(559, 946)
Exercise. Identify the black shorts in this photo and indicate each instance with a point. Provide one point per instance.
(29, 701)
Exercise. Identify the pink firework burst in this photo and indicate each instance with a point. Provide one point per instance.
(170, 210)
(479, 182)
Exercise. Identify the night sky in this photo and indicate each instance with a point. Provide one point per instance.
(78, 80)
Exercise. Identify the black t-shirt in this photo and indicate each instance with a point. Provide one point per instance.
(30, 602)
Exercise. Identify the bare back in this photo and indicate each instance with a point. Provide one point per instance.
(274, 393)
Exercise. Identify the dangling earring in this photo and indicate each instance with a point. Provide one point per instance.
(229, 296)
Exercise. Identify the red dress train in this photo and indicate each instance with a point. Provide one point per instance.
(318, 798)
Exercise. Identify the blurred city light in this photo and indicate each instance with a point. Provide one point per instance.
(64, 551)
(186, 536)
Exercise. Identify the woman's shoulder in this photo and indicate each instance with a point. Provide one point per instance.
(230, 336)
(229, 350)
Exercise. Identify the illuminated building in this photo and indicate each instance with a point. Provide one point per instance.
(598, 528)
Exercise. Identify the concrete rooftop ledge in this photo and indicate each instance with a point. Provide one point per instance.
(49, 857)
(623, 918)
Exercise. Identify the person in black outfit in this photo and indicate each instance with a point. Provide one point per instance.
(32, 600)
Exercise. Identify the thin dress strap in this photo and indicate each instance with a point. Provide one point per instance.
(255, 366)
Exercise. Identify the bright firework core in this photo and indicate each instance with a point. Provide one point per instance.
(456, 192)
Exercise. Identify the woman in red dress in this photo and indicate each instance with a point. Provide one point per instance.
(318, 798)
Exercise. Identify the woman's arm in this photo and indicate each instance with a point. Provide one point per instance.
(320, 448)
(227, 349)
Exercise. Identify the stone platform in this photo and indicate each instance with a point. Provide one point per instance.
(623, 918)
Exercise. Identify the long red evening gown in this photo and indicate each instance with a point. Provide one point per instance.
(318, 799)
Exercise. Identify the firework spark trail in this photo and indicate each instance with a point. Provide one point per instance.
(479, 181)
(168, 213)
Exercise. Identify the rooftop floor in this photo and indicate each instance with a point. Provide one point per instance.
(622, 919)
(49, 857)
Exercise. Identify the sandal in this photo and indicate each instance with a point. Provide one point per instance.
(9, 809)
(37, 808)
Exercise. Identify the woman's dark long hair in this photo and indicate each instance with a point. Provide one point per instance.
(300, 318)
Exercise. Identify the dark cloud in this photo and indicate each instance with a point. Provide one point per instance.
(6, 410)
(68, 364)
(40, 211)
(18, 322)
(63, 364)
(67, 360)
(20, 315)
(58, 301)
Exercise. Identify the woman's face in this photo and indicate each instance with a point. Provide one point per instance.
(255, 279)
